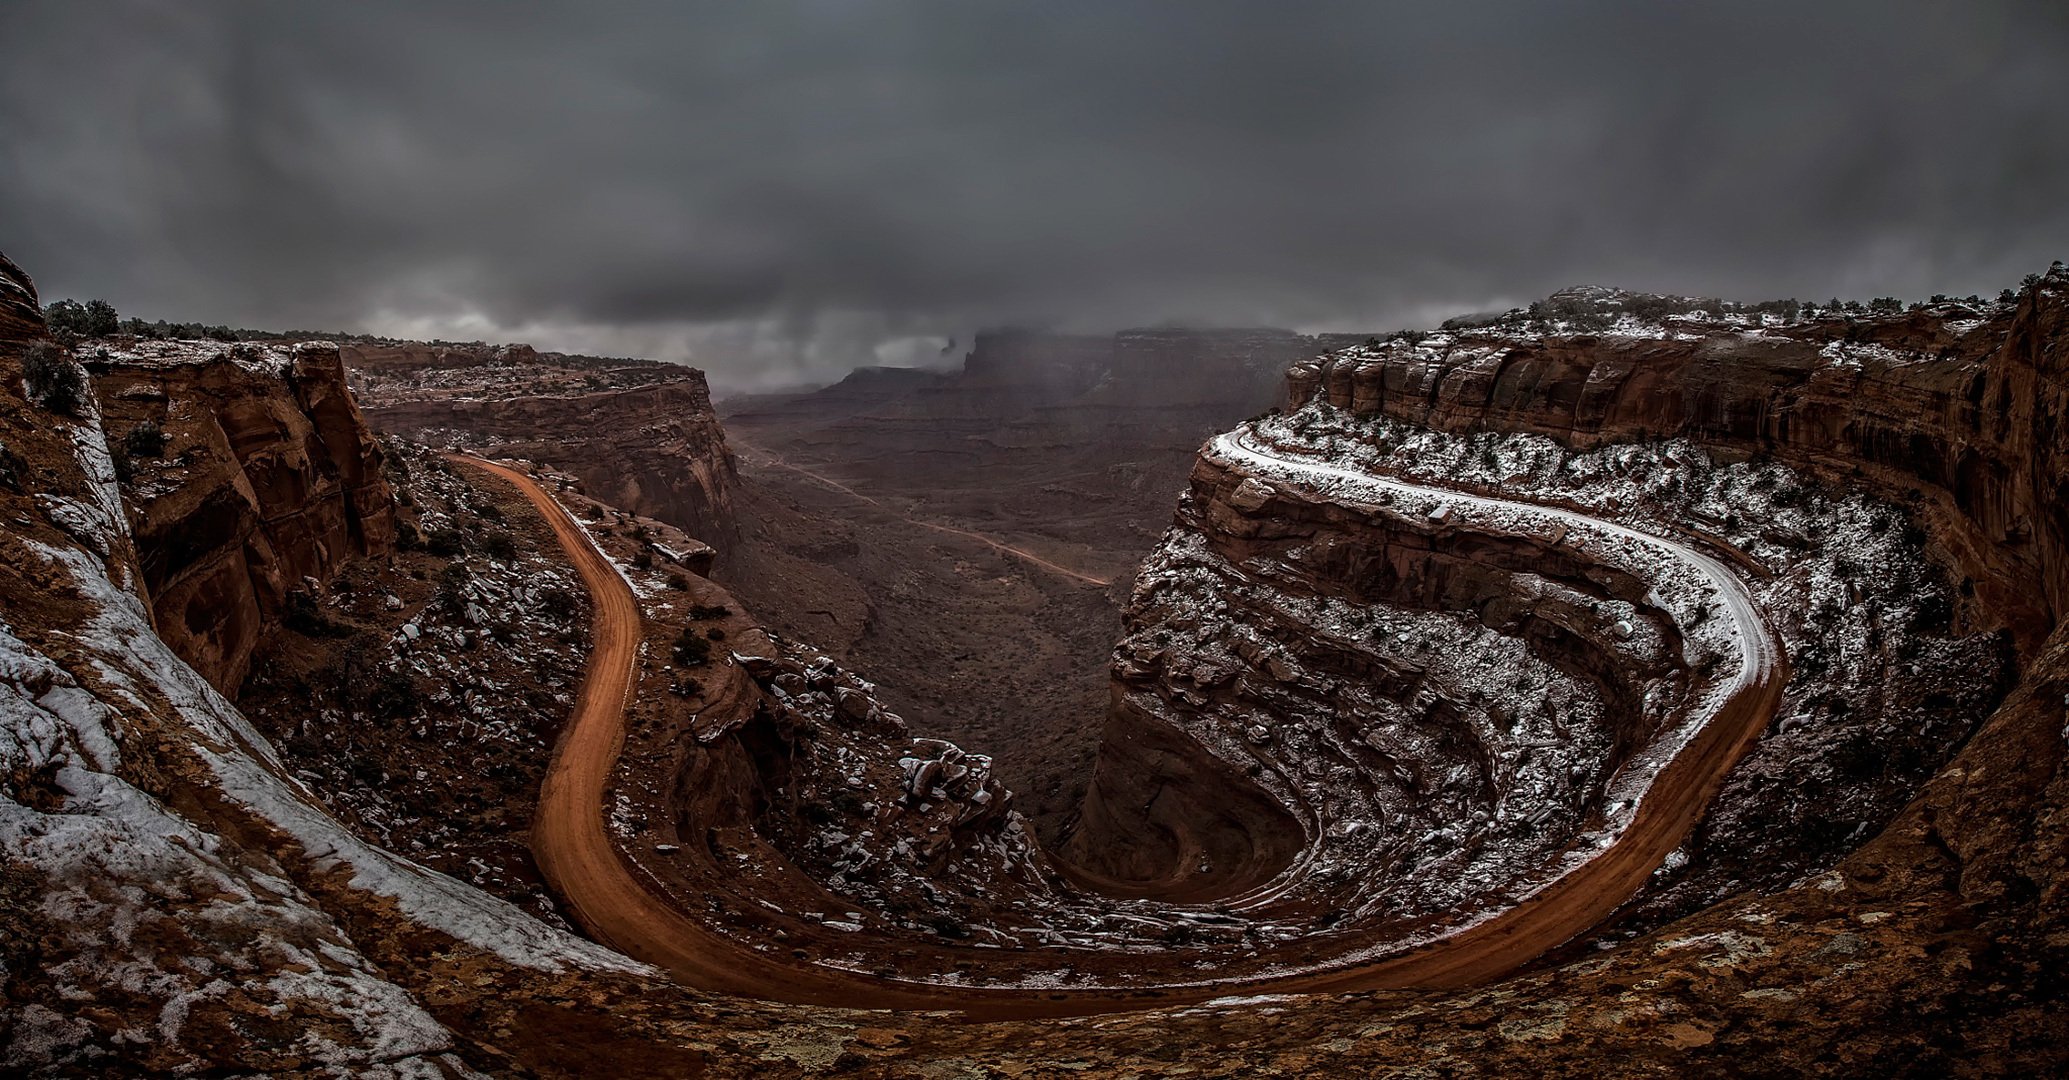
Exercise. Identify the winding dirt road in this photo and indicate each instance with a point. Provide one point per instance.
(568, 840)
(578, 859)
(576, 856)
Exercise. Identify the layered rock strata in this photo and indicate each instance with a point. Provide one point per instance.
(246, 472)
(656, 450)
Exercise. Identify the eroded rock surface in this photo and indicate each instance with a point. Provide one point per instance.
(246, 471)
(640, 435)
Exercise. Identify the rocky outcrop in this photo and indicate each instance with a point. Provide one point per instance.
(1254, 662)
(1060, 364)
(247, 472)
(1176, 369)
(1952, 409)
(657, 450)
(169, 901)
(21, 318)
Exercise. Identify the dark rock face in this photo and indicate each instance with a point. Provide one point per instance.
(21, 317)
(266, 477)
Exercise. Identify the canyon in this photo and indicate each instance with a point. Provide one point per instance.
(1622, 685)
(1005, 502)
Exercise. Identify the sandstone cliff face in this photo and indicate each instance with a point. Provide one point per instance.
(657, 450)
(266, 478)
(1960, 407)
(1238, 633)
(169, 902)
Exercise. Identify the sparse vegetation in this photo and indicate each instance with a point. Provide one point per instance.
(303, 615)
(557, 602)
(52, 379)
(691, 649)
(499, 545)
(452, 585)
(145, 440)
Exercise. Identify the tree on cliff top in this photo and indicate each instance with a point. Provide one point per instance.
(92, 319)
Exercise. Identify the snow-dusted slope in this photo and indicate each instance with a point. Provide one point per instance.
(172, 901)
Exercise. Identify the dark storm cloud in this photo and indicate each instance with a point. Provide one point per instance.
(782, 186)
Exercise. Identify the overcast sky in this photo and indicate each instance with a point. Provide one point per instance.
(778, 191)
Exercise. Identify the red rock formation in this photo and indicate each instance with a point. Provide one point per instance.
(656, 450)
(405, 357)
(268, 476)
(1945, 407)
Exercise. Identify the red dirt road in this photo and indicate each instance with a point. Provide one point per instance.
(579, 861)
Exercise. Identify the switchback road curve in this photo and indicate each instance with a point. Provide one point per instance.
(577, 857)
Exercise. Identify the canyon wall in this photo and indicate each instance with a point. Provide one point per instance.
(1070, 446)
(1953, 413)
(1946, 413)
(170, 902)
(261, 476)
(657, 450)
